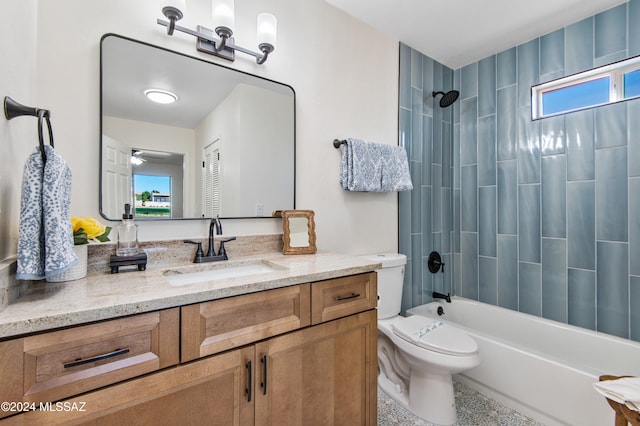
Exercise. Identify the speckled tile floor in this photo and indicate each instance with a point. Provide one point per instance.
(473, 409)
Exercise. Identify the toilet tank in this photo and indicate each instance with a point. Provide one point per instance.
(390, 282)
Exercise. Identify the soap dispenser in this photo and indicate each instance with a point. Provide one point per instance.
(127, 234)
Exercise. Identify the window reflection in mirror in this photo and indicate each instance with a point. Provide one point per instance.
(152, 195)
(234, 133)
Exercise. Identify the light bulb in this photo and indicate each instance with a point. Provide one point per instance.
(223, 14)
(267, 29)
(160, 96)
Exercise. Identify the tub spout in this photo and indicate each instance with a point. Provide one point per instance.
(437, 295)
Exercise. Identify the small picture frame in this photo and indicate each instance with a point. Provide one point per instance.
(299, 232)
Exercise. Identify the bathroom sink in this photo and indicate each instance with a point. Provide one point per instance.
(218, 271)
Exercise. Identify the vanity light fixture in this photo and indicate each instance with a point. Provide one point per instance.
(160, 96)
(223, 21)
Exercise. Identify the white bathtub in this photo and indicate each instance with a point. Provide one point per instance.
(542, 368)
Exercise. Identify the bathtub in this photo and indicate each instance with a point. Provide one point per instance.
(542, 368)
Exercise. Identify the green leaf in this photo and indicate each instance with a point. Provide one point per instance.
(80, 237)
(104, 237)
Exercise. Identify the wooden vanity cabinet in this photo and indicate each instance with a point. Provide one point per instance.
(270, 367)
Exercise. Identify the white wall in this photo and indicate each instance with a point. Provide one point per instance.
(265, 189)
(345, 75)
(19, 136)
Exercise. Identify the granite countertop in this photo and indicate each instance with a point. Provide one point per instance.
(102, 296)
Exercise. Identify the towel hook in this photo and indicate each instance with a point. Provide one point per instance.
(13, 109)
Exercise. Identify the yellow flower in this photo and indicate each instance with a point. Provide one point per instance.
(87, 228)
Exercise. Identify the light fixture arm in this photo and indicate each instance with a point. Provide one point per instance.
(222, 46)
(225, 34)
(265, 48)
(188, 31)
(173, 14)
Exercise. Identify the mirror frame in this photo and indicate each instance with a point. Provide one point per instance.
(287, 215)
(100, 203)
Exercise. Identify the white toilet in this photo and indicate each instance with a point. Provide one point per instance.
(417, 355)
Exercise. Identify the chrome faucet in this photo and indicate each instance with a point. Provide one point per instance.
(215, 228)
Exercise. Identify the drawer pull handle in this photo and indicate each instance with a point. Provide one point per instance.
(249, 381)
(263, 385)
(81, 361)
(351, 296)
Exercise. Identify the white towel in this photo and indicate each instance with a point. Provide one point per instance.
(45, 239)
(624, 391)
(373, 167)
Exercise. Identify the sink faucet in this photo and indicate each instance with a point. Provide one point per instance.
(215, 228)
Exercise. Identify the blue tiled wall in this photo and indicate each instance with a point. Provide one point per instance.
(426, 222)
(545, 214)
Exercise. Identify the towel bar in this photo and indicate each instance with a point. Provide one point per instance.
(337, 143)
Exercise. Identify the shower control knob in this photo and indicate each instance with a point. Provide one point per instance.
(434, 262)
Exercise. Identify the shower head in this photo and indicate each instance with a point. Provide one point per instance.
(447, 98)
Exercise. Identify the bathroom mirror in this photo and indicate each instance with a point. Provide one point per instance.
(225, 146)
(299, 232)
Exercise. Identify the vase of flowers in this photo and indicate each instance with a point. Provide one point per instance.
(85, 229)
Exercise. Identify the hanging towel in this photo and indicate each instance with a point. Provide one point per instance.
(45, 238)
(373, 167)
(624, 391)
(361, 166)
(395, 169)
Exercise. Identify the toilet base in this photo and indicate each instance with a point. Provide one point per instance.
(430, 396)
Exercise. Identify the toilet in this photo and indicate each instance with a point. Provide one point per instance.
(417, 355)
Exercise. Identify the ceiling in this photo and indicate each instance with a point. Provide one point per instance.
(460, 32)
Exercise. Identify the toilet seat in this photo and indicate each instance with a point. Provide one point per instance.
(434, 335)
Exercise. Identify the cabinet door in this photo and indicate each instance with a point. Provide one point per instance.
(219, 325)
(211, 391)
(323, 375)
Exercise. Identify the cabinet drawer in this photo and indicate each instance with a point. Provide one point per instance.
(344, 296)
(58, 364)
(219, 325)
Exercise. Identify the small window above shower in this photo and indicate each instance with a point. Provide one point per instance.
(599, 86)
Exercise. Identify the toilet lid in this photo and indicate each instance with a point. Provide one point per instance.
(434, 335)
